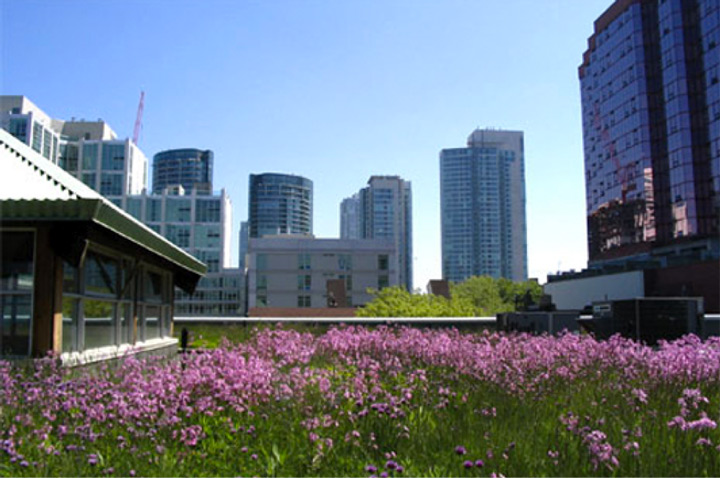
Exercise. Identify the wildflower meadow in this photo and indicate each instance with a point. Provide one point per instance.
(382, 401)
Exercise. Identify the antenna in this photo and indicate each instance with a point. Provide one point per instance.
(138, 120)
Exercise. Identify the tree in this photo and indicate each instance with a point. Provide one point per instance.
(398, 302)
(480, 296)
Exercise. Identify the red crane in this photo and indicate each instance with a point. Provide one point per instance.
(138, 120)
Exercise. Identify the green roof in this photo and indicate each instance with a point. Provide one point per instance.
(34, 189)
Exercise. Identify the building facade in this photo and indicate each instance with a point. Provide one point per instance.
(292, 272)
(190, 168)
(279, 204)
(383, 210)
(350, 217)
(89, 150)
(651, 128)
(482, 199)
(199, 224)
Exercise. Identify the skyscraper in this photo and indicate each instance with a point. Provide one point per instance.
(279, 204)
(188, 167)
(382, 210)
(482, 199)
(651, 128)
(350, 217)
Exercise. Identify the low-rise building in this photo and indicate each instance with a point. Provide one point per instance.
(79, 277)
(293, 271)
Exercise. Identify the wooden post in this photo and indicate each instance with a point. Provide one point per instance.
(43, 339)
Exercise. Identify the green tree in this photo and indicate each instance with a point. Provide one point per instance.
(398, 302)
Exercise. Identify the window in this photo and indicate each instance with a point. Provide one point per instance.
(111, 184)
(304, 261)
(89, 156)
(261, 300)
(261, 282)
(261, 262)
(177, 210)
(345, 262)
(113, 157)
(207, 210)
(303, 301)
(383, 281)
(304, 282)
(154, 210)
(383, 262)
(16, 291)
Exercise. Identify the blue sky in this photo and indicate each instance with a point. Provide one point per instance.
(335, 91)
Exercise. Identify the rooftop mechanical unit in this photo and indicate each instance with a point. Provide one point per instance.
(647, 319)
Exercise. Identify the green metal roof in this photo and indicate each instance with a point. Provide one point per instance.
(34, 189)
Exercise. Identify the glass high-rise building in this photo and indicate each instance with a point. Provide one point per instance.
(651, 127)
(383, 210)
(482, 200)
(279, 204)
(188, 167)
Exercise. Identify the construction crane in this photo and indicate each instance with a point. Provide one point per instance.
(138, 119)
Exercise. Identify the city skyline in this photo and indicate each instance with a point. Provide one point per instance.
(335, 93)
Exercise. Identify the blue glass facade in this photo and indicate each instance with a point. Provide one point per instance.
(279, 204)
(190, 168)
(651, 126)
(482, 195)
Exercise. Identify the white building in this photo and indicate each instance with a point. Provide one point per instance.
(293, 272)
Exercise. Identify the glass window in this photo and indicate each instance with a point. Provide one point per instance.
(345, 262)
(304, 261)
(113, 157)
(37, 136)
(89, 156)
(178, 234)
(383, 281)
(383, 262)
(111, 184)
(101, 275)
(261, 262)
(99, 321)
(207, 236)
(261, 300)
(134, 208)
(154, 210)
(153, 287)
(261, 282)
(152, 322)
(69, 324)
(89, 180)
(303, 301)
(69, 157)
(16, 286)
(18, 128)
(304, 282)
(178, 210)
(207, 210)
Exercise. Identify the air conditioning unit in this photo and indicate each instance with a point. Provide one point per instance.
(648, 319)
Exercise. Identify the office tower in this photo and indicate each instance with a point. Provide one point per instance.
(294, 272)
(279, 204)
(651, 127)
(482, 200)
(383, 210)
(190, 168)
(244, 237)
(350, 217)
